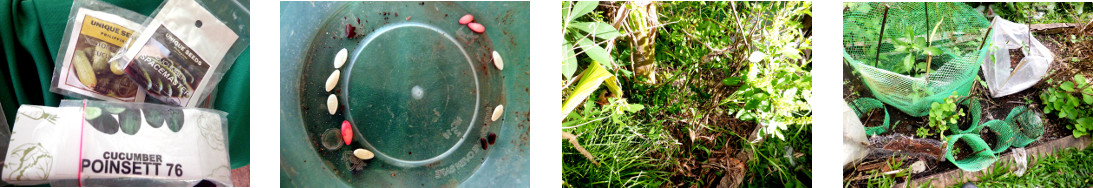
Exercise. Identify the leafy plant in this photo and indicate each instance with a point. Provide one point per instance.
(923, 132)
(944, 114)
(1071, 101)
(774, 88)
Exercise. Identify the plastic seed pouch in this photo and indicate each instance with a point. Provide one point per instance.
(185, 49)
(95, 32)
(95, 143)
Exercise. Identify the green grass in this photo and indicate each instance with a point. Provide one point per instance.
(773, 167)
(1067, 168)
(626, 152)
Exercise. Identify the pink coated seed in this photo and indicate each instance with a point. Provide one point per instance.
(466, 19)
(347, 132)
(476, 27)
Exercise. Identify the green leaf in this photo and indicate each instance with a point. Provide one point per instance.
(593, 77)
(569, 64)
(599, 29)
(634, 108)
(908, 61)
(731, 81)
(756, 56)
(1087, 99)
(1078, 134)
(790, 50)
(595, 52)
(933, 51)
(920, 42)
(1080, 80)
(580, 9)
(1085, 122)
(1067, 86)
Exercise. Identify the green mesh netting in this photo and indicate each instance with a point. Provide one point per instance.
(1020, 128)
(900, 77)
(974, 112)
(1003, 131)
(981, 158)
(1029, 125)
(864, 105)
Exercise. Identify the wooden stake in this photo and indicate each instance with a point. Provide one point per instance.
(987, 34)
(929, 57)
(880, 38)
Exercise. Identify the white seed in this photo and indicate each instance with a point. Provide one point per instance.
(497, 112)
(497, 62)
(363, 154)
(339, 59)
(333, 80)
(332, 104)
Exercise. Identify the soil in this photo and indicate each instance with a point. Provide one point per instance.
(874, 117)
(961, 151)
(992, 108)
(1015, 57)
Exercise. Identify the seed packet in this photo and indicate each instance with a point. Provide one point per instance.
(95, 32)
(97, 143)
(186, 47)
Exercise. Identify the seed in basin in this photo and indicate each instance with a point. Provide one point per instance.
(497, 112)
(363, 154)
(485, 145)
(339, 59)
(332, 104)
(347, 132)
(497, 62)
(491, 138)
(333, 80)
(477, 27)
(466, 19)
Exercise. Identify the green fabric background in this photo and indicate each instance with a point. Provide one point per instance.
(30, 32)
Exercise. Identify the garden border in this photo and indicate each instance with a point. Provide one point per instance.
(952, 177)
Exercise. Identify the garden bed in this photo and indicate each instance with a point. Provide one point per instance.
(1055, 131)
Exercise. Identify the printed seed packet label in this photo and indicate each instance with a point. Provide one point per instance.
(86, 67)
(113, 144)
(168, 68)
(178, 53)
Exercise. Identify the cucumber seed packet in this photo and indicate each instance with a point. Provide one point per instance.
(95, 33)
(178, 57)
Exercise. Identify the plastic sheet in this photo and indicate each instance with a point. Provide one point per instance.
(95, 143)
(1001, 76)
(854, 139)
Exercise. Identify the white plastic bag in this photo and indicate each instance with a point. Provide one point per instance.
(854, 139)
(997, 69)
